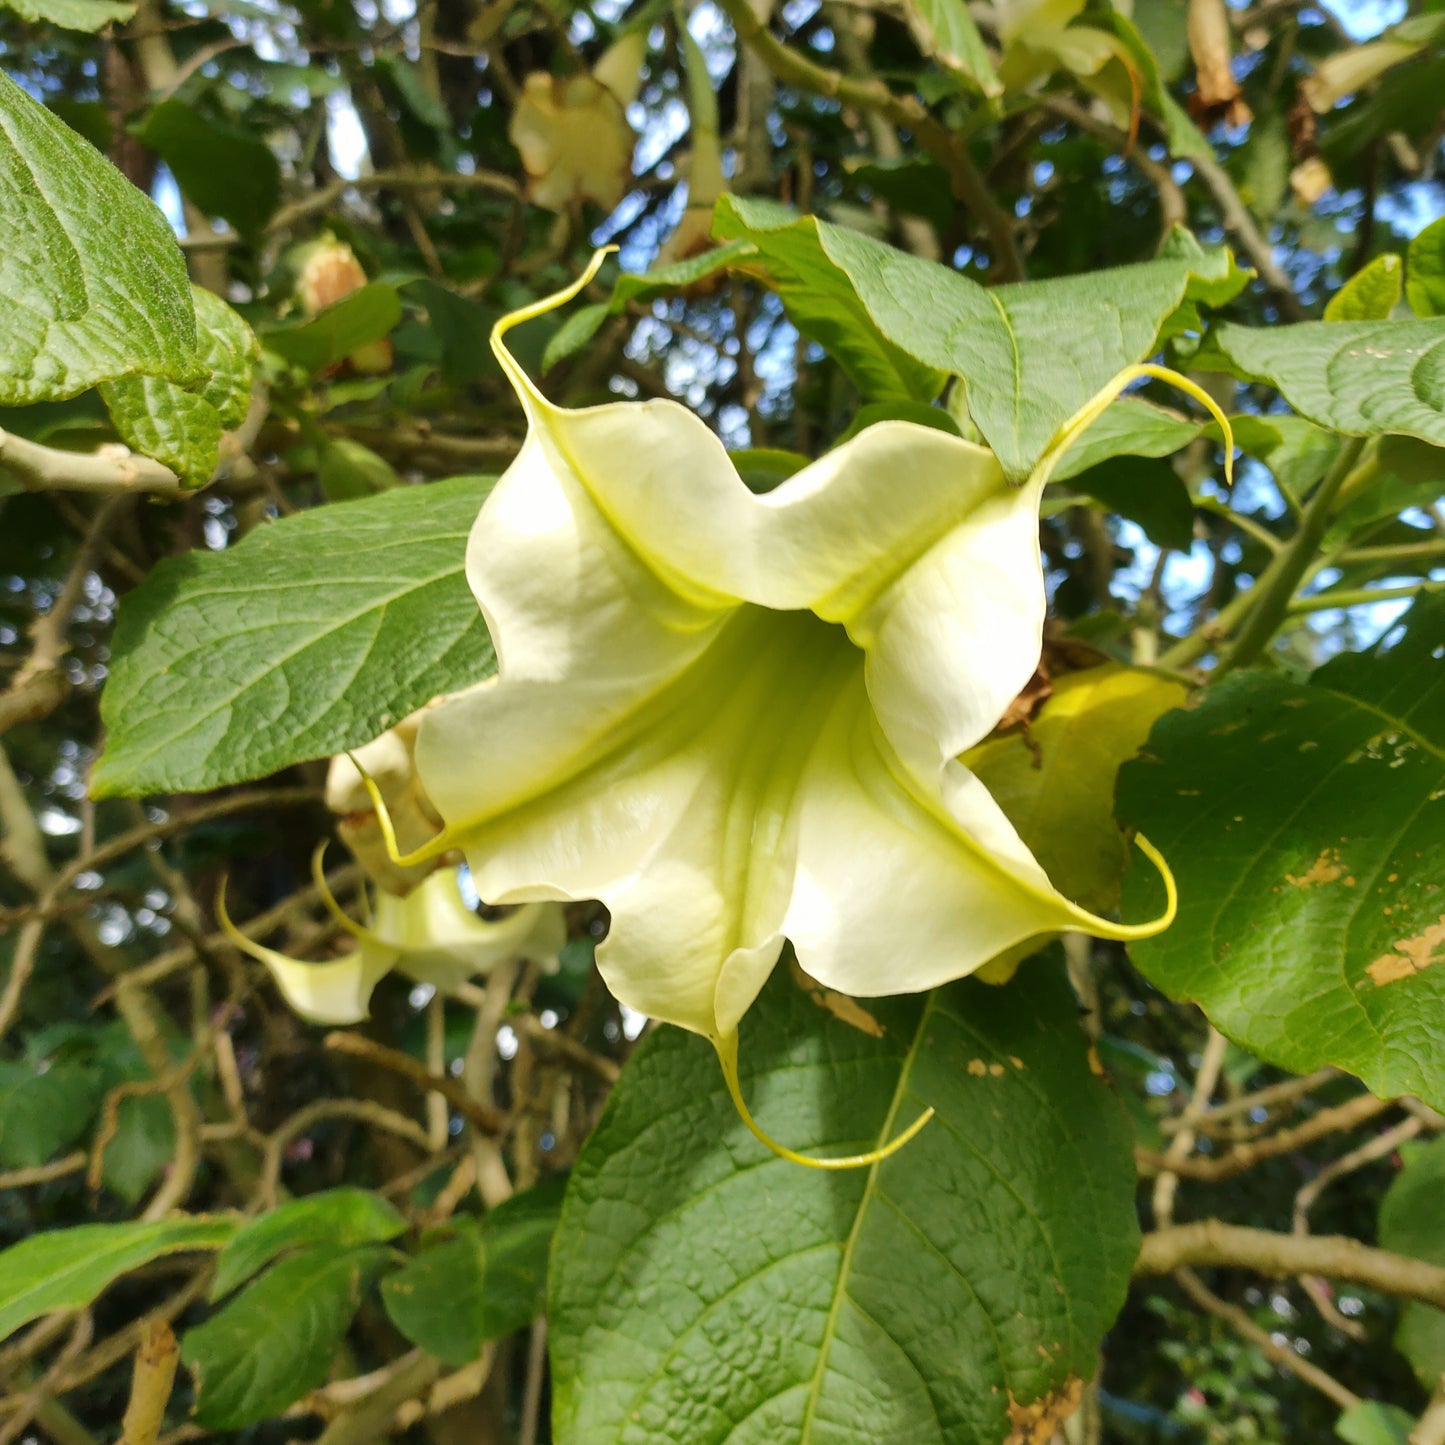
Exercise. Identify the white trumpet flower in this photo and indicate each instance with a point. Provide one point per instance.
(736, 719)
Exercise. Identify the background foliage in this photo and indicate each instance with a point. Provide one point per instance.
(214, 549)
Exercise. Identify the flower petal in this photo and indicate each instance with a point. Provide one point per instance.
(938, 574)
(954, 639)
(441, 941)
(684, 829)
(891, 895)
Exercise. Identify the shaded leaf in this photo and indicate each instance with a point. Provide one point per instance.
(946, 31)
(1147, 491)
(275, 1340)
(227, 171)
(340, 1217)
(1411, 1224)
(365, 316)
(1425, 271)
(43, 1110)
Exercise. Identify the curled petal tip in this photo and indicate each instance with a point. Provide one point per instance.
(442, 843)
(727, 1052)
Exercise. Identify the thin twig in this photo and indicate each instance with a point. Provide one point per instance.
(1244, 1156)
(479, 1115)
(1261, 1339)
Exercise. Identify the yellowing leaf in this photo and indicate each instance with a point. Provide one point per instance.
(1056, 783)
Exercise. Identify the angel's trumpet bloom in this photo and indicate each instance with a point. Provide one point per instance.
(430, 936)
(736, 719)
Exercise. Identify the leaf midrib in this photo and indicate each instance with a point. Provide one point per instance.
(840, 1291)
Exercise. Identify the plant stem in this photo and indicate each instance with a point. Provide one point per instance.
(1353, 597)
(1271, 595)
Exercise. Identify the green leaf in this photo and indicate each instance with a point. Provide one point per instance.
(582, 325)
(436, 1299)
(144, 1143)
(702, 1288)
(1033, 355)
(518, 1236)
(463, 328)
(357, 320)
(946, 31)
(1371, 294)
(68, 1268)
(1305, 823)
(1411, 1224)
(348, 469)
(226, 171)
(340, 1217)
(1425, 271)
(796, 257)
(43, 1110)
(1130, 426)
(276, 1339)
(1368, 1422)
(1297, 451)
(75, 307)
(183, 428)
(1147, 491)
(481, 1281)
(1357, 377)
(918, 412)
(314, 634)
(88, 15)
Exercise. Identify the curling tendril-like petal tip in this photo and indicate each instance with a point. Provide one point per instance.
(727, 1052)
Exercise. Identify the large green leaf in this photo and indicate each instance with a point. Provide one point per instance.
(90, 15)
(1412, 1223)
(183, 428)
(67, 1268)
(76, 307)
(703, 1290)
(314, 634)
(226, 171)
(1032, 355)
(796, 257)
(339, 1217)
(275, 1340)
(1358, 377)
(1306, 825)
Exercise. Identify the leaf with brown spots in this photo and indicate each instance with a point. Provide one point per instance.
(1036, 1422)
(1305, 823)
